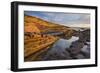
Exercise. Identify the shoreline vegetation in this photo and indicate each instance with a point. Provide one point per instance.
(42, 38)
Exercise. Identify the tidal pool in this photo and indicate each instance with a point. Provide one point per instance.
(58, 49)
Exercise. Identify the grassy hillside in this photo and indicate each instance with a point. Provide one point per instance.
(40, 34)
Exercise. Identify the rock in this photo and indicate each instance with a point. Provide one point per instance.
(80, 56)
(75, 48)
(55, 56)
(83, 35)
(86, 51)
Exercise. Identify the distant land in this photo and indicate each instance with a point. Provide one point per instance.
(79, 25)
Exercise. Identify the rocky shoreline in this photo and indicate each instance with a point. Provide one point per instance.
(79, 49)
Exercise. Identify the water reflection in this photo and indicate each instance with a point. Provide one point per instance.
(58, 50)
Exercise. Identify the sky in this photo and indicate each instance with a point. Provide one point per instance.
(61, 17)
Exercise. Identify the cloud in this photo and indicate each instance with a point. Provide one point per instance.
(68, 18)
(62, 18)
